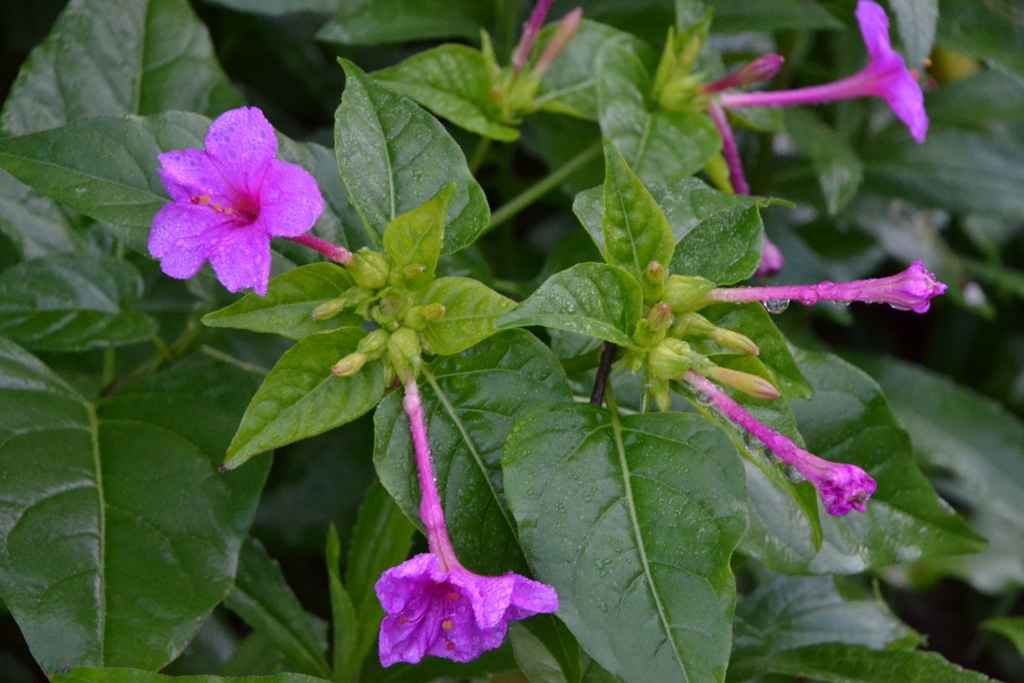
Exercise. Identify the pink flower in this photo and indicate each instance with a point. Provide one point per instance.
(436, 606)
(885, 76)
(911, 290)
(229, 200)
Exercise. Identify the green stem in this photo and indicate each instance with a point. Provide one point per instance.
(479, 154)
(535, 192)
(231, 360)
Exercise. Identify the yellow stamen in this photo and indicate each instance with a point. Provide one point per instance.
(447, 625)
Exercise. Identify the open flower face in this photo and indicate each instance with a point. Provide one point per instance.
(229, 200)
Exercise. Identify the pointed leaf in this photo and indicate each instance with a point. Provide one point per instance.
(346, 659)
(1011, 627)
(34, 223)
(840, 171)
(399, 21)
(546, 650)
(415, 237)
(136, 676)
(394, 157)
(594, 299)
(471, 310)
(633, 523)
(301, 397)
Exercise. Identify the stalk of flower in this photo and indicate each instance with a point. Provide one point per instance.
(842, 487)
(531, 28)
(761, 69)
(434, 605)
(885, 76)
(911, 290)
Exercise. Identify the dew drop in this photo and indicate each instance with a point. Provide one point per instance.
(792, 474)
(772, 458)
(776, 306)
(841, 303)
(702, 399)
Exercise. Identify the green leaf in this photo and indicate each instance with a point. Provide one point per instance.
(262, 597)
(432, 669)
(289, 303)
(839, 169)
(371, 22)
(381, 540)
(633, 523)
(394, 157)
(976, 101)
(737, 16)
(634, 228)
(471, 401)
(109, 57)
(594, 299)
(658, 145)
(840, 663)
(114, 506)
(33, 223)
(301, 397)
(792, 612)
(849, 421)
(69, 303)
(346, 626)
(454, 82)
(275, 8)
(1011, 627)
(984, 30)
(415, 238)
(546, 650)
(718, 236)
(136, 676)
(557, 140)
(471, 311)
(916, 20)
(570, 85)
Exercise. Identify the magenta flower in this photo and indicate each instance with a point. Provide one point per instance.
(885, 76)
(761, 69)
(435, 605)
(229, 200)
(911, 290)
(842, 487)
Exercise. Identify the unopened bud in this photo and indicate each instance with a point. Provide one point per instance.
(645, 336)
(673, 357)
(684, 293)
(369, 269)
(761, 69)
(419, 317)
(752, 385)
(567, 28)
(696, 325)
(660, 317)
(349, 365)
(656, 273)
(734, 341)
(374, 344)
(394, 303)
(405, 351)
(329, 309)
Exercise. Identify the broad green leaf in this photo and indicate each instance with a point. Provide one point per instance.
(136, 676)
(558, 140)
(988, 30)
(289, 303)
(594, 299)
(276, 8)
(454, 82)
(471, 311)
(976, 101)
(1011, 627)
(916, 20)
(735, 16)
(471, 401)
(111, 57)
(718, 236)
(415, 238)
(546, 650)
(634, 228)
(371, 22)
(792, 612)
(848, 420)
(346, 659)
(570, 85)
(633, 523)
(840, 171)
(960, 170)
(34, 223)
(70, 303)
(111, 506)
(381, 540)
(394, 157)
(658, 145)
(430, 669)
(263, 598)
(301, 397)
(256, 656)
(841, 663)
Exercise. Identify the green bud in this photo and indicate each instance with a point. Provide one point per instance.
(349, 365)
(734, 341)
(419, 317)
(752, 385)
(685, 293)
(696, 325)
(645, 336)
(394, 303)
(405, 351)
(374, 344)
(659, 390)
(369, 269)
(656, 273)
(329, 309)
(672, 357)
(389, 373)
(660, 317)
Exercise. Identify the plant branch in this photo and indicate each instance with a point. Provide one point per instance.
(603, 370)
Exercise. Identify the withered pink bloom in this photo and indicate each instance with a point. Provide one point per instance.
(885, 76)
(842, 487)
(434, 605)
(229, 200)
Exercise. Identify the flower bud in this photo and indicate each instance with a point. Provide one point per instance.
(567, 28)
(394, 303)
(349, 365)
(405, 351)
(684, 293)
(734, 341)
(672, 357)
(696, 325)
(752, 385)
(369, 269)
(374, 344)
(659, 390)
(419, 317)
(329, 309)
(660, 317)
(761, 69)
(656, 273)
(644, 336)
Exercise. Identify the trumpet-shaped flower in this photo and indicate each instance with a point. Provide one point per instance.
(229, 200)
(885, 76)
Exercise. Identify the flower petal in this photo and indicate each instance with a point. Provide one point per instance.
(290, 200)
(241, 258)
(189, 173)
(529, 598)
(489, 596)
(903, 93)
(242, 143)
(399, 585)
(183, 235)
(874, 26)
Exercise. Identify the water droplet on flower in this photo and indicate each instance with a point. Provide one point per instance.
(776, 306)
(841, 303)
(702, 399)
(792, 474)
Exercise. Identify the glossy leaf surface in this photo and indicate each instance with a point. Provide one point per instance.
(415, 238)
(471, 311)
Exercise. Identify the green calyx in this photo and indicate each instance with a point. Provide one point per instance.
(369, 269)
(676, 87)
(405, 351)
(672, 357)
(685, 293)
